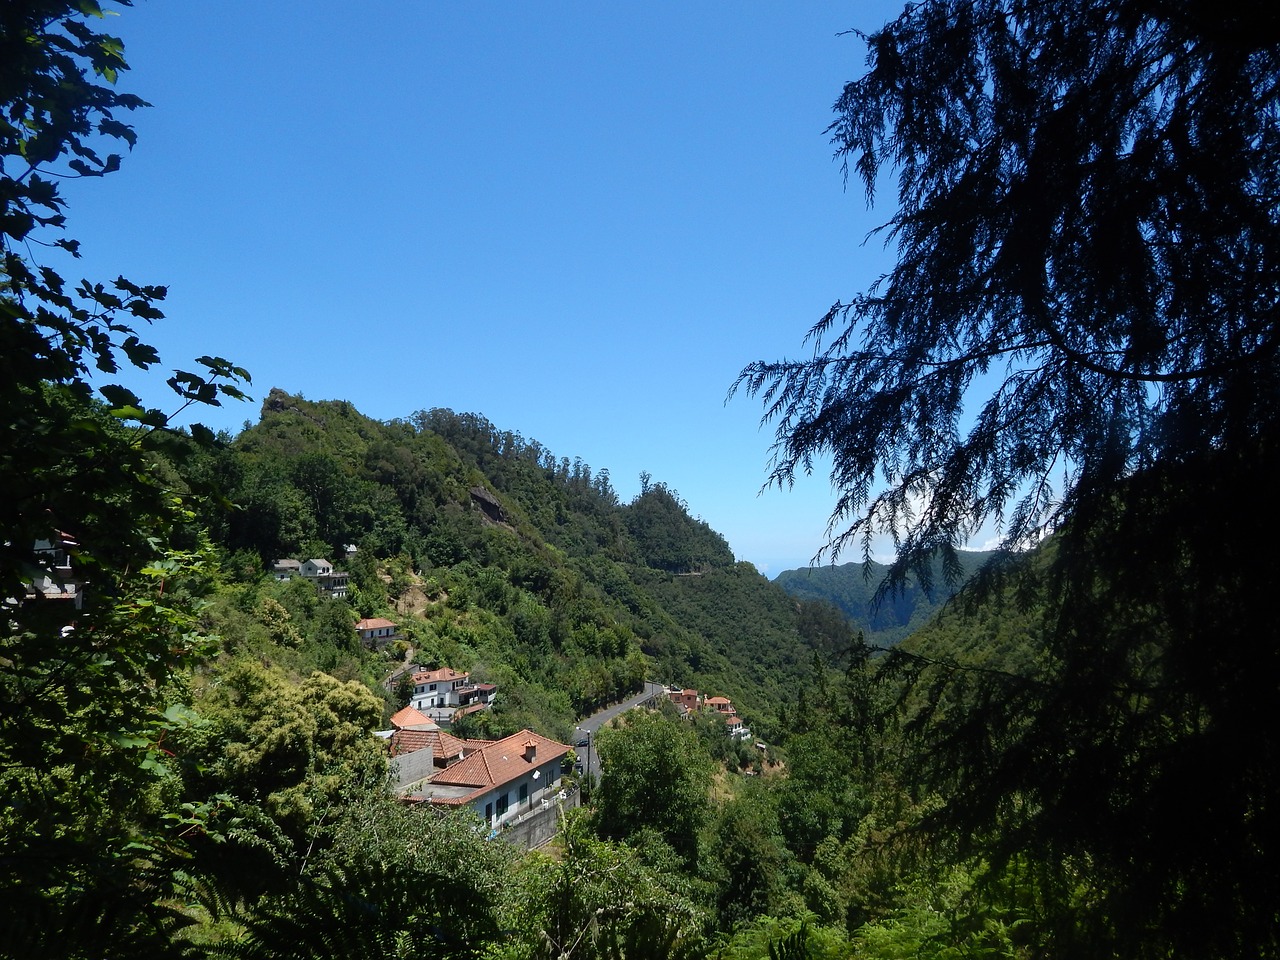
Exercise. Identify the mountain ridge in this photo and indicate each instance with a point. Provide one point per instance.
(548, 583)
(889, 619)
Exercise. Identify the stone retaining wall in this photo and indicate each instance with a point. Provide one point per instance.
(539, 826)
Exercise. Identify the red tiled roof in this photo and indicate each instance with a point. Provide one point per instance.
(409, 718)
(445, 746)
(374, 623)
(501, 761)
(444, 674)
(443, 801)
(717, 701)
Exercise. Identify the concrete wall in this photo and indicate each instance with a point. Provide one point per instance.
(540, 825)
(412, 767)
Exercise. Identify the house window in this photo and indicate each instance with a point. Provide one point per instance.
(488, 812)
(502, 804)
(433, 686)
(524, 792)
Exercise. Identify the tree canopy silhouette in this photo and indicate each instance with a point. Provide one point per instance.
(1078, 337)
(89, 680)
(1086, 281)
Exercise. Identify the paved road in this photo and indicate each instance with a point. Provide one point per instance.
(586, 729)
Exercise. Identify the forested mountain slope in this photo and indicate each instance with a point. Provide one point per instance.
(852, 587)
(526, 568)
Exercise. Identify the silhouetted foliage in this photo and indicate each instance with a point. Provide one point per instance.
(1079, 336)
(90, 681)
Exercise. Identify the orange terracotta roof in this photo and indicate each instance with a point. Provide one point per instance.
(444, 674)
(374, 623)
(409, 718)
(501, 761)
(446, 801)
(446, 747)
(716, 701)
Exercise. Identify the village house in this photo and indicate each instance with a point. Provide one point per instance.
(500, 780)
(687, 701)
(57, 582)
(408, 718)
(327, 581)
(419, 748)
(285, 569)
(376, 632)
(55, 579)
(732, 722)
(431, 750)
(475, 698)
(736, 728)
(440, 693)
(437, 688)
(684, 699)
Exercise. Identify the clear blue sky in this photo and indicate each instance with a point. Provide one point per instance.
(580, 220)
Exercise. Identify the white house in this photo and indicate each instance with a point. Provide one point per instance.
(56, 580)
(285, 569)
(501, 780)
(438, 688)
(376, 632)
(329, 582)
(444, 693)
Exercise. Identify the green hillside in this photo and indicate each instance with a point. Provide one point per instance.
(887, 619)
(498, 557)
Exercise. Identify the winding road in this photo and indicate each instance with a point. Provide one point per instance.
(586, 729)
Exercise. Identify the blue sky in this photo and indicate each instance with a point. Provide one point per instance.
(579, 220)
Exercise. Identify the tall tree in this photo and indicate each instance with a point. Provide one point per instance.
(66, 469)
(88, 687)
(598, 901)
(1086, 281)
(654, 776)
(1079, 336)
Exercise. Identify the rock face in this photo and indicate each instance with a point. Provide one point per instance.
(489, 506)
(281, 401)
(276, 401)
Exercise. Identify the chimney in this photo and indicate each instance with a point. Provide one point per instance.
(530, 750)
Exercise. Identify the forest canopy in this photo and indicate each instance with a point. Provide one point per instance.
(1078, 338)
(1086, 282)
